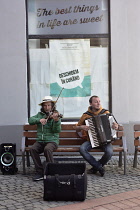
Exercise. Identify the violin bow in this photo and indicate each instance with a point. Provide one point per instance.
(54, 104)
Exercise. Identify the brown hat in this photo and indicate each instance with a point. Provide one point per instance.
(46, 99)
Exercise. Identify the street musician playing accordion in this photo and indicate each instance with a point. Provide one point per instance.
(94, 110)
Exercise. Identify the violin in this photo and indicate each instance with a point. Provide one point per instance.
(50, 115)
(58, 114)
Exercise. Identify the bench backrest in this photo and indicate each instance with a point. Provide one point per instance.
(136, 134)
(68, 135)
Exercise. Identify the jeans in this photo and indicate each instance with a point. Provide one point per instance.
(107, 149)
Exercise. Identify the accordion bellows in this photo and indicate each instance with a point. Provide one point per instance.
(100, 131)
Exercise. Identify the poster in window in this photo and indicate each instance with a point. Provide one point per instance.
(70, 67)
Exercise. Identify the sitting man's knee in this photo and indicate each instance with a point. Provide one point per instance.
(110, 153)
(82, 149)
(33, 149)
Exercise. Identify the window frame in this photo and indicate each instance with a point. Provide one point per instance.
(69, 36)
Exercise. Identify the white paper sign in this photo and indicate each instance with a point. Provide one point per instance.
(70, 67)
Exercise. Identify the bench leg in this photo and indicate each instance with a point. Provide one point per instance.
(135, 158)
(28, 159)
(23, 162)
(120, 159)
(125, 162)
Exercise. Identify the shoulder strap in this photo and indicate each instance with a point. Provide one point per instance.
(114, 118)
(89, 113)
(102, 111)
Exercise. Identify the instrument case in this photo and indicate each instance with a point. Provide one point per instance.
(65, 182)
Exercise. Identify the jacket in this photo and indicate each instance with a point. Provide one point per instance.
(87, 116)
(46, 133)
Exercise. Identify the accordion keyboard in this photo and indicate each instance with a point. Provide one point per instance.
(92, 132)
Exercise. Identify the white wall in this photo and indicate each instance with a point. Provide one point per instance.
(13, 84)
(119, 60)
(125, 48)
(134, 60)
(13, 71)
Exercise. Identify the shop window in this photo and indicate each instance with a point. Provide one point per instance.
(72, 60)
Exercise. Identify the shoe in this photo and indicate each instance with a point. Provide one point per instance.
(92, 171)
(101, 171)
(38, 177)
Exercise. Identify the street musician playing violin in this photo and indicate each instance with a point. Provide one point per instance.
(48, 128)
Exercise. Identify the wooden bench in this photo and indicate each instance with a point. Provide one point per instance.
(136, 143)
(69, 143)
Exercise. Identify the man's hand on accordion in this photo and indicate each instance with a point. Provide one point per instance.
(115, 126)
(84, 127)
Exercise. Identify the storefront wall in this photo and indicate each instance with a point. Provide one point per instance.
(125, 62)
(13, 71)
(125, 47)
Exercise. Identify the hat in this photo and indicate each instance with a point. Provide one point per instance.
(46, 99)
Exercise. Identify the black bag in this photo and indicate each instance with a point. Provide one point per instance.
(65, 181)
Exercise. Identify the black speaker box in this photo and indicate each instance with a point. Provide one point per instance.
(8, 158)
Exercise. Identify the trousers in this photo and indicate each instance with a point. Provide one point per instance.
(107, 149)
(37, 149)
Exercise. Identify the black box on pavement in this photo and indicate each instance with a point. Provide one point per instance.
(8, 158)
(65, 181)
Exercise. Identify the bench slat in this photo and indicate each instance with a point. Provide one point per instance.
(76, 149)
(30, 142)
(120, 128)
(136, 142)
(29, 127)
(77, 142)
(71, 142)
(117, 142)
(67, 126)
(61, 142)
(69, 138)
(137, 127)
(68, 134)
(61, 135)
(119, 134)
(30, 134)
(136, 134)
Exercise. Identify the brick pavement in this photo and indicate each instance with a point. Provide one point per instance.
(127, 200)
(20, 192)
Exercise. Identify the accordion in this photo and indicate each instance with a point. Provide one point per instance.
(100, 131)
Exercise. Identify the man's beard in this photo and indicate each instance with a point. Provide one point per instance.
(97, 109)
(45, 112)
(94, 109)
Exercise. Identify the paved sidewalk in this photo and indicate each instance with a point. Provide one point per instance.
(113, 191)
(126, 200)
